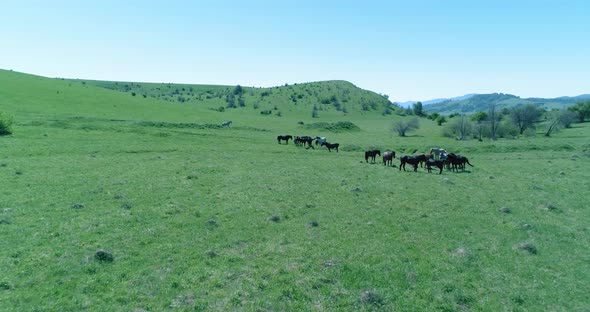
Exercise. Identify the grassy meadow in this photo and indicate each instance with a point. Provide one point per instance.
(199, 217)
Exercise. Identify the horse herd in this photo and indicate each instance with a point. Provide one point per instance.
(308, 141)
(435, 158)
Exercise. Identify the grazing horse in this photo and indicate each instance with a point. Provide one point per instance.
(304, 140)
(330, 146)
(226, 124)
(437, 152)
(372, 154)
(319, 140)
(434, 163)
(388, 157)
(412, 160)
(457, 161)
(284, 138)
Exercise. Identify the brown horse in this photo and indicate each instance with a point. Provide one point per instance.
(412, 160)
(388, 157)
(284, 138)
(435, 163)
(372, 155)
(457, 162)
(304, 140)
(331, 146)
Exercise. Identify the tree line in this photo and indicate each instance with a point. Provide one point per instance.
(497, 123)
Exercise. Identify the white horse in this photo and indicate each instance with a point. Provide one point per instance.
(320, 140)
(226, 124)
(437, 152)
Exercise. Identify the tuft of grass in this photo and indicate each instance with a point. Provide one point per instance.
(77, 205)
(103, 256)
(274, 218)
(5, 285)
(212, 223)
(371, 297)
(505, 210)
(211, 253)
(314, 223)
(528, 247)
(548, 207)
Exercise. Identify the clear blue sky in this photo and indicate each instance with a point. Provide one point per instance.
(410, 50)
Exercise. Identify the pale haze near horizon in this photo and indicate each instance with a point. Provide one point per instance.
(409, 50)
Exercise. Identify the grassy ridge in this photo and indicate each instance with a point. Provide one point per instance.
(199, 217)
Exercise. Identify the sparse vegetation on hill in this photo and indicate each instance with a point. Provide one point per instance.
(324, 96)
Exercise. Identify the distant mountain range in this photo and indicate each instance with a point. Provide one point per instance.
(471, 103)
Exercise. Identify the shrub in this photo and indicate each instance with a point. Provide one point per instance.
(104, 256)
(401, 126)
(5, 124)
(334, 127)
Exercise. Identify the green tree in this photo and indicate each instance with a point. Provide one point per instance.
(582, 109)
(479, 117)
(418, 109)
(314, 112)
(238, 90)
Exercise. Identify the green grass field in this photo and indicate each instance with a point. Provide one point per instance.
(200, 217)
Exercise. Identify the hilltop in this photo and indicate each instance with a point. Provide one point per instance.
(327, 96)
(480, 102)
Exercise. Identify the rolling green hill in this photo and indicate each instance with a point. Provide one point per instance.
(480, 102)
(328, 96)
(116, 202)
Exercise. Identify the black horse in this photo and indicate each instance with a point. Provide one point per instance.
(284, 138)
(304, 140)
(412, 160)
(438, 163)
(372, 155)
(388, 157)
(457, 162)
(331, 146)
